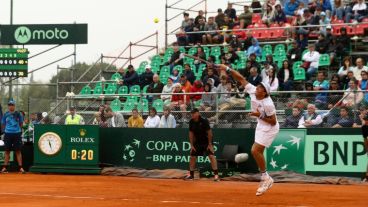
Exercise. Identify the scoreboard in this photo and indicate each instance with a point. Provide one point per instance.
(13, 62)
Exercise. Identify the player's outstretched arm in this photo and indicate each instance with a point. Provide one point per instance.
(235, 74)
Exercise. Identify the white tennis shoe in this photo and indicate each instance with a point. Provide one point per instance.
(264, 185)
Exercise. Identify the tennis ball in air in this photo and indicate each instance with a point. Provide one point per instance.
(156, 20)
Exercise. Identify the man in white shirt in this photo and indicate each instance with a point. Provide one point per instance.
(267, 128)
(359, 68)
(311, 118)
(311, 56)
(167, 119)
(360, 10)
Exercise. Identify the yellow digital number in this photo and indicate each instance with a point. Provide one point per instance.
(74, 154)
(90, 154)
(84, 154)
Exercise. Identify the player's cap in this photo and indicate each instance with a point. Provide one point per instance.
(267, 87)
(11, 102)
(194, 110)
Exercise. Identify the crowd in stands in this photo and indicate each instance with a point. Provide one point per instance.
(301, 64)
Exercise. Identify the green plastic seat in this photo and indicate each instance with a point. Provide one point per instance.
(324, 60)
(97, 90)
(192, 50)
(280, 47)
(267, 48)
(179, 68)
(241, 65)
(111, 89)
(115, 105)
(305, 51)
(86, 90)
(164, 77)
(123, 90)
(241, 55)
(188, 60)
(156, 58)
(226, 49)
(206, 51)
(182, 49)
(158, 104)
(165, 69)
(116, 77)
(136, 89)
(144, 90)
(297, 64)
(299, 74)
(129, 105)
(216, 51)
(143, 105)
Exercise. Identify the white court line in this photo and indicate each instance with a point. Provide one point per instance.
(52, 196)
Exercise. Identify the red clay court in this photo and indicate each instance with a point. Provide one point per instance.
(92, 191)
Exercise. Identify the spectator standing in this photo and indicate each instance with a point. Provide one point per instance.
(230, 12)
(73, 118)
(220, 18)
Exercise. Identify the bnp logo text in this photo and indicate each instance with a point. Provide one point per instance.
(23, 34)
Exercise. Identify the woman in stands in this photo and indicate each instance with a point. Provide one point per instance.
(285, 77)
(269, 77)
(268, 15)
(346, 67)
(255, 48)
(208, 99)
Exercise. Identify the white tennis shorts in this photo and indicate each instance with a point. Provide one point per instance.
(265, 138)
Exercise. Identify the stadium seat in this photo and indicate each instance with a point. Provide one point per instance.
(129, 105)
(143, 105)
(123, 91)
(97, 90)
(182, 49)
(164, 77)
(216, 51)
(299, 74)
(297, 64)
(179, 68)
(192, 51)
(279, 47)
(144, 90)
(115, 105)
(267, 48)
(324, 60)
(158, 104)
(86, 90)
(111, 89)
(136, 89)
(256, 17)
(206, 51)
(241, 65)
(116, 77)
(165, 69)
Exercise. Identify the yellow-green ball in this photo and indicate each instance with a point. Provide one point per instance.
(156, 20)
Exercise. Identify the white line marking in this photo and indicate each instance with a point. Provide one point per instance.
(52, 196)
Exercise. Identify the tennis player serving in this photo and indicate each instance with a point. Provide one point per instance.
(267, 127)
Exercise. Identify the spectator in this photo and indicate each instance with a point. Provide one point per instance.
(114, 119)
(208, 98)
(292, 120)
(199, 16)
(311, 119)
(182, 37)
(311, 61)
(352, 98)
(131, 77)
(11, 125)
(359, 119)
(73, 118)
(248, 40)
(268, 15)
(256, 6)
(230, 12)
(300, 9)
(178, 99)
(245, 18)
(200, 54)
(335, 49)
(228, 25)
(324, 21)
(358, 69)
(175, 76)
(135, 120)
(220, 18)
(280, 17)
(290, 7)
(186, 20)
(363, 84)
(325, 5)
(210, 74)
(186, 86)
(212, 82)
(167, 119)
(271, 62)
(359, 12)
(211, 36)
(100, 118)
(347, 79)
(294, 54)
(176, 57)
(322, 44)
(168, 88)
(189, 73)
(321, 85)
(153, 120)
(235, 44)
(345, 68)
(344, 120)
(197, 87)
(199, 28)
(339, 10)
(269, 77)
(344, 39)
(155, 87)
(254, 77)
(121, 72)
(230, 57)
(254, 48)
(334, 97)
(146, 78)
(285, 77)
